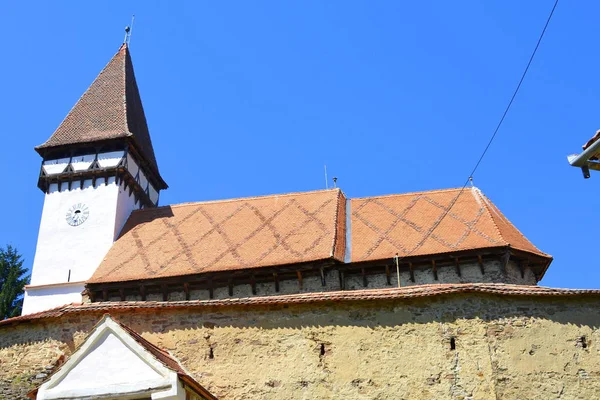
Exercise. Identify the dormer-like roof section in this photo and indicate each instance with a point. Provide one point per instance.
(109, 110)
(227, 235)
(428, 223)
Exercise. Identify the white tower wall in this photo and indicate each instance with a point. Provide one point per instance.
(66, 256)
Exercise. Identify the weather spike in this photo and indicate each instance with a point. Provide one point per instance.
(128, 30)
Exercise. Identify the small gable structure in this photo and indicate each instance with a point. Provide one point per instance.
(115, 362)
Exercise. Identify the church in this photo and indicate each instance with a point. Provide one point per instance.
(427, 295)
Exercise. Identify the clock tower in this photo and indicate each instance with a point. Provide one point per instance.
(98, 166)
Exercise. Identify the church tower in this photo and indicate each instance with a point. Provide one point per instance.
(98, 166)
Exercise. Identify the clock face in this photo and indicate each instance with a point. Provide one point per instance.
(77, 214)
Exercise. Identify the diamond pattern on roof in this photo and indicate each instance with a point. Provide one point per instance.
(226, 235)
(425, 223)
(301, 227)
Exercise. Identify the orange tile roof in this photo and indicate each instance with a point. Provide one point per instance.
(407, 292)
(227, 235)
(303, 227)
(404, 224)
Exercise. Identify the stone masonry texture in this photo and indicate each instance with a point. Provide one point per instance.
(460, 346)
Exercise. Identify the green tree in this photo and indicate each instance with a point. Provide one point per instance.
(13, 279)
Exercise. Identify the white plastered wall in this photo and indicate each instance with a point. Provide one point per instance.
(68, 253)
(110, 364)
(135, 170)
(125, 204)
(82, 162)
(46, 297)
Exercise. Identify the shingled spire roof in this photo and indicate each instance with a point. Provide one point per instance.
(110, 109)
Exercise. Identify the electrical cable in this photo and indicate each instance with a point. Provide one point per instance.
(516, 91)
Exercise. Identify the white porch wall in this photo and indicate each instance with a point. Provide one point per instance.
(55, 166)
(39, 299)
(132, 165)
(125, 205)
(110, 159)
(82, 163)
(153, 194)
(120, 366)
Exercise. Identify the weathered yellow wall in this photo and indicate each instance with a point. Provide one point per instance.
(506, 348)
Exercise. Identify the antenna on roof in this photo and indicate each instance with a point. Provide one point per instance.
(326, 180)
(128, 30)
(396, 260)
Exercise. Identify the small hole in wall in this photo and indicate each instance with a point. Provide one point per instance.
(322, 350)
(583, 342)
(211, 354)
(452, 344)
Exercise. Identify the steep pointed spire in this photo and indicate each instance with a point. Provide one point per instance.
(110, 110)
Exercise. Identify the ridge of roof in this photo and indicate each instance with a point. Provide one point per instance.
(405, 292)
(163, 356)
(479, 196)
(408, 193)
(232, 200)
(340, 232)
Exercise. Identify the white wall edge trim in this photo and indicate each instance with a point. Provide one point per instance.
(49, 285)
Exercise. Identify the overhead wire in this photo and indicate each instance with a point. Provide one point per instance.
(487, 147)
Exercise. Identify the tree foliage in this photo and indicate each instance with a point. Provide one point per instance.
(13, 278)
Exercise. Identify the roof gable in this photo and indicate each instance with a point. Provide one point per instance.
(114, 361)
(121, 367)
(110, 362)
(110, 109)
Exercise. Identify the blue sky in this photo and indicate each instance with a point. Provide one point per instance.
(251, 98)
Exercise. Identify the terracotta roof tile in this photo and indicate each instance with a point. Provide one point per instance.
(303, 227)
(590, 142)
(406, 292)
(161, 355)
(403, 224)
(167, 360)
(227, 235)
(111, 108)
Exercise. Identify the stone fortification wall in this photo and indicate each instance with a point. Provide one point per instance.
(494, 272)
(461, 346)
